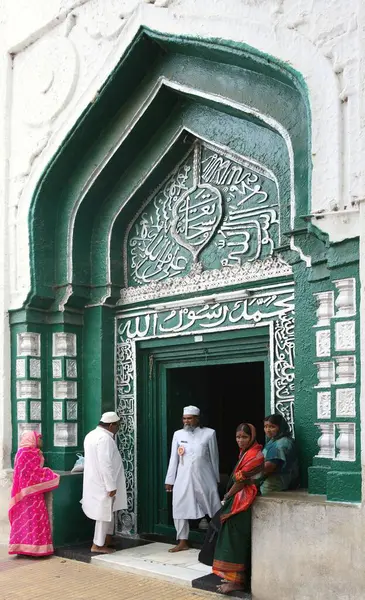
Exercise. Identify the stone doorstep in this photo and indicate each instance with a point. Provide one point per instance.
(154, 560)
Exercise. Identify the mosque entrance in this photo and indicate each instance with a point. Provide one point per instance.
(225, 380)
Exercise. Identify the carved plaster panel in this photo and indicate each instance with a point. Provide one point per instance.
(326, 373)
(26, 388)
(65, 434)
(21, 413)
(199, 280)
(326, 440)
(65, 389)
(35, 411)
(28, 344)
(346, 441)
(345, 336)
(64, 344)
(71, 368)
(71, 411)
(346, 402)
(215, 206)
(57, 411)
(20, 367)
(346, 297)
(324, 405)
(57, 368)
(35, 368)
(323, 343)
(325, 308)
(345, 369)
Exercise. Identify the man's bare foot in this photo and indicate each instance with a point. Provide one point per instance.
(110, 541)
(101, 549)
(182, 545)
(227, 588)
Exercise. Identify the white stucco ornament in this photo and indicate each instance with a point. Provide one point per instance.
(47, 79)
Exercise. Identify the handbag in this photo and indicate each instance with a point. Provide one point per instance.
(79, 464)
(206, 554)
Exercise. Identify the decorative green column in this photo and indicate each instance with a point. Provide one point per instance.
(336, 467)
(29, 395)
(64, 400)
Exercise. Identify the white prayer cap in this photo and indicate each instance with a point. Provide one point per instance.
(191, 410)
(109, 417)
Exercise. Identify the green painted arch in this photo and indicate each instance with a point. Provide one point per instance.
(223, 92)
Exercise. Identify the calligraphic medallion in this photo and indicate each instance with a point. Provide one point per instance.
(196, 217)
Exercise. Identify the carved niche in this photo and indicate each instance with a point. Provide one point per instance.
(216, 211)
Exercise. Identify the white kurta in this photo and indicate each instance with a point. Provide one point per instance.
(103, 473)
(195, 474)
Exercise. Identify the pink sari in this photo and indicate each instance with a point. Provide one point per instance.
(30, 531)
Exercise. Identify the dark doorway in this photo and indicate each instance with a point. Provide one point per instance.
(227, 395)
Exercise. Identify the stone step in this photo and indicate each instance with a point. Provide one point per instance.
(154, 560)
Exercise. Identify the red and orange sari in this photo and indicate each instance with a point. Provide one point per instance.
(233, 550)
(30, 531)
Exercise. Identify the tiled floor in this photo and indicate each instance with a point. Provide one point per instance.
(58, 578)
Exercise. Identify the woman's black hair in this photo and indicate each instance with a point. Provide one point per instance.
(244, 428)
(279, 421)
(275, 419)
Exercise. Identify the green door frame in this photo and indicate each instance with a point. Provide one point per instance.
(155, 359)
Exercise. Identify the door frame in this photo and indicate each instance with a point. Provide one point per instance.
(154, 359)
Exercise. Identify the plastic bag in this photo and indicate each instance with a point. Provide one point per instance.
(79, 464)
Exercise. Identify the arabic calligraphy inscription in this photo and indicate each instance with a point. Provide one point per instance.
(214, 208)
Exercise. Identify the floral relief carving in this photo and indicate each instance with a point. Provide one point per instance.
(323, 342)
(345, 335)
(57, 411)
(324, 405)
(346, 402)
(35, 411)
(20, 368)
(35, 368)
(21, 410)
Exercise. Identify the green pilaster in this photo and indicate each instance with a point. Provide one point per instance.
(98, 364)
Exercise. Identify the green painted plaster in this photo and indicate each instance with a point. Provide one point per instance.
(70, 525)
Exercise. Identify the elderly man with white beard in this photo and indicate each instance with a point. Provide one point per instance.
(192, 475)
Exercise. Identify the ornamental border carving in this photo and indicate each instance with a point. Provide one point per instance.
(199, 280)
(273, 306)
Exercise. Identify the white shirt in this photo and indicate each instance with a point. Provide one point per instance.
(103, 473)
(194, 474)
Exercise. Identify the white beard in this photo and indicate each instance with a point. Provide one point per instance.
(189, 428)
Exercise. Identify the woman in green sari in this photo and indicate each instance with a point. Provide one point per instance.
(281, 462)
(233, 550)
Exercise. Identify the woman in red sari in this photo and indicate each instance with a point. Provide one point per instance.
(233, 550)
(30, 531)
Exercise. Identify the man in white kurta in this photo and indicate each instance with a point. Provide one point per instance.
(192, 475)
(104, 488)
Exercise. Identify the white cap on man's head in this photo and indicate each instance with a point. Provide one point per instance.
(109, 417)
(191, 410)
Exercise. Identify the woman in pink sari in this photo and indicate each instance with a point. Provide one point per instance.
(30, 531)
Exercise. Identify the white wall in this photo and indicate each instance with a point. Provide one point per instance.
(307, 550)
(76, 44)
